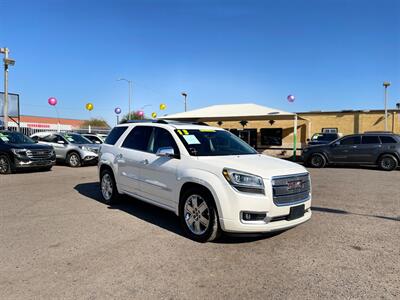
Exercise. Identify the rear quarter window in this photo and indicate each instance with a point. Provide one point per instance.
(115, 134)
(387, 139)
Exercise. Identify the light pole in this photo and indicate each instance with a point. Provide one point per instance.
(7, 62)
(386, 84)
(130, 92)
(184, 94)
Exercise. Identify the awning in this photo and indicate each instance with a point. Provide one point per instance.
(232, 112)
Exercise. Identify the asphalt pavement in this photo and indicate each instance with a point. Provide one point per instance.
(58, 241)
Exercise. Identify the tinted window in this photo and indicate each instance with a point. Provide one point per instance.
(138, 138)
(351, 140)
(52, 138)
(162, 138)
(115, 134)
(370, 139)
(387, 139)
(11, 137)
(271, 136)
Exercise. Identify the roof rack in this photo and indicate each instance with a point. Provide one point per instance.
(163, 121)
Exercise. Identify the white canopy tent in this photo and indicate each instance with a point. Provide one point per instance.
(236, 112)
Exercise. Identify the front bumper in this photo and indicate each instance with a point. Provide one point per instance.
(233, 204)
(20, 163)
(89, 156)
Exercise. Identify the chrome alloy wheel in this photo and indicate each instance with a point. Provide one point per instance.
(107, 187)
(74, 160)
(197, 214)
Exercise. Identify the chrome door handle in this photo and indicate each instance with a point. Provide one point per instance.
(145, 162)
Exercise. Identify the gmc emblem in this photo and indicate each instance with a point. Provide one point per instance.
(294, 185)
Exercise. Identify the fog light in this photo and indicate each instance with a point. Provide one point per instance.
(253, 216)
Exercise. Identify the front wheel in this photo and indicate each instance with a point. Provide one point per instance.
(74, 160)
(198, 216)
(108, 187)
(5, 164)
(387, 162)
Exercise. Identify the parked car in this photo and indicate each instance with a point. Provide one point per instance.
(17, 151)
(71, 148)
(207, 176)
(381, 149)
(94, 138)
(323, 138)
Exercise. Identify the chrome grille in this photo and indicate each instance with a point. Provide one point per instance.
(288, 190)
(39, 154)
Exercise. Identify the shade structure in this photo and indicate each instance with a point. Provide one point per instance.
(232, 112)
(237, 112)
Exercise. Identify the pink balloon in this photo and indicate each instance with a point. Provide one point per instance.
(140, 113)
(290, 98)
(52, 101)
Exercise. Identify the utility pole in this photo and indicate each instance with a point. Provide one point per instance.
(386, 84)
(7, 61)
(130, 95)
(184, 94)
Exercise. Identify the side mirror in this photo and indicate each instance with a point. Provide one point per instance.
(166, 151)
(335, 144)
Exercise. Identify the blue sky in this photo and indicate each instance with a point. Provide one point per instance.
(330, 54)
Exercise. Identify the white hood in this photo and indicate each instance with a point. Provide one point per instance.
(258, 164)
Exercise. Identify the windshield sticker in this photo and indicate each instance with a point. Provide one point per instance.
(180, 132)
(69, 138)
(185, 132)
(4, 138)
(191, 139)
(207, 130)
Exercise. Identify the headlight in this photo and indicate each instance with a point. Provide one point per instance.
(19, 152)
(244, 182)
(84, 148)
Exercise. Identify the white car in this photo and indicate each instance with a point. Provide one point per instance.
(207, 176)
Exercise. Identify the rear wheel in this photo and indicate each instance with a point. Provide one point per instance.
(198, 216)
(74, 160)
(5, 164)
(317, 160)
(387, 162)
(108, 187)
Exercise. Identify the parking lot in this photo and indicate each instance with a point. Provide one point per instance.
(59, 241)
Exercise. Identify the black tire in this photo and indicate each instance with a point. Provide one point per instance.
(387, 162)
(5, 164)
(317, 160)
(205, 233)
(112, 196)
(74, 160)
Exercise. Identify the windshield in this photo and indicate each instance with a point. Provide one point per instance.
(208, 142)
(75, 138)
(324, 137)
(15, 138)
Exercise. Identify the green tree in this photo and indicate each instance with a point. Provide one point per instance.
(95, 122)
(134, 116)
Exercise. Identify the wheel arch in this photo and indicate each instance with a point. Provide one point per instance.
(396, 156)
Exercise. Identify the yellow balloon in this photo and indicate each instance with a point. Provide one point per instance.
(153, 115)
(89, 106)
(163, 106)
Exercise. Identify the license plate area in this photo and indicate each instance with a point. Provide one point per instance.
(296, 212)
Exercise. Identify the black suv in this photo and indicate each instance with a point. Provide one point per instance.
(382, 149)
(17, 151)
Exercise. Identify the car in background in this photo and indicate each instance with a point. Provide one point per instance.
(94, 138)
(17, 151)
(381, 149)
(72, 148)
(211, 179)
(323, 138)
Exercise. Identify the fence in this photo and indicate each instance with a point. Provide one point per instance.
(29, 131)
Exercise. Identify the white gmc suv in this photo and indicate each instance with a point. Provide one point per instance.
(209, 177)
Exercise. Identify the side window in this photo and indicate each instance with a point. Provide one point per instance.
(115, 134)
(387, 139)
(163, 138)
(351, 140)
(138, 138)
(370, 139)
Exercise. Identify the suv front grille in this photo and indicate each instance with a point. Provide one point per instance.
(288, 190)
(39, 154)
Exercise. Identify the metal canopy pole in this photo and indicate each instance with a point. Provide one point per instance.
(294, 137)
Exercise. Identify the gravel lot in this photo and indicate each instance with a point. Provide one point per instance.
(59, 241)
